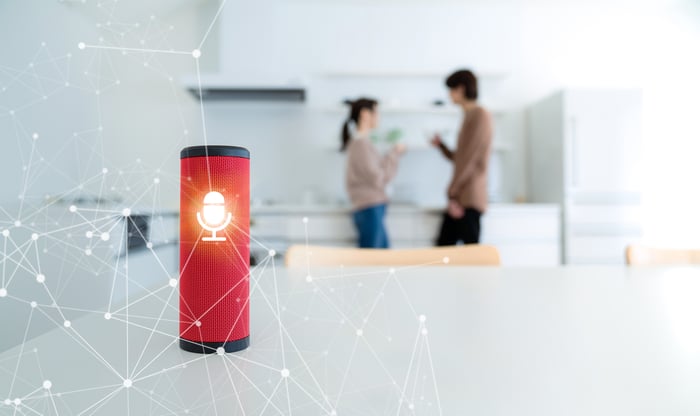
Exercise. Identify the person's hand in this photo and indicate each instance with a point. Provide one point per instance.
(400, 148)
(436, 140)
(455, 210)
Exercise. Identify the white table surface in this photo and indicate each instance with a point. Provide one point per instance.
(560, 341)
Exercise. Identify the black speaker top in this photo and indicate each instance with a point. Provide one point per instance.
(215, 150)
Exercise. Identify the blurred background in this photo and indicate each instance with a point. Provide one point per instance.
(594, 103)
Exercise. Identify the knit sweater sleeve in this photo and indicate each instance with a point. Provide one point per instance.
(373, 168)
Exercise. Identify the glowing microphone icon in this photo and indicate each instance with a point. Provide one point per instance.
(215, 216)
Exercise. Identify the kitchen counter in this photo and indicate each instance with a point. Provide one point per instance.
(330, 209)
(525, 234)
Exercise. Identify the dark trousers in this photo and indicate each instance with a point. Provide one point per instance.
(465, 229)
(370, 227)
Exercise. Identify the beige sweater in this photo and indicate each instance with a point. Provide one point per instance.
(471, 161)
(368, 173)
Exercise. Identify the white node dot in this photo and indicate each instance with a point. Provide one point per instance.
(156, 181)
(198, 324)
(81, 45)
(334, 413)
(411, 406)
(105, 170)
(149, 245)
(18, 223)
(392, 270)
(47, 384)
(196, 53)
(6, 233)
(173, 282)
(305, 220)
(18, 401)
(272, 253)
(128, 383)
(424, 331)
(72, 208)
(40, 278)
(35, 136)
(220, 351)
(33, 304)
(309, 278)
(445, 260)
(108, 316)
(104, 236)
(285, 372)
(35, 236)
(66, 324)
(3, 292)
(359, 332)
(422, 318)
(89, 234)
(126, 212)
(88, 252)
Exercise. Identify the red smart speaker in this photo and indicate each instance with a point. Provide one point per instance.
(214, 248)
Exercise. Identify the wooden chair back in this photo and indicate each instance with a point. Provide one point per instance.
(319, 256)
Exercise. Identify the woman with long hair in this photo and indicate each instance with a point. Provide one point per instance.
(368, 173)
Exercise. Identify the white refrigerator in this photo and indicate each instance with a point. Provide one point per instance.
(584, 153)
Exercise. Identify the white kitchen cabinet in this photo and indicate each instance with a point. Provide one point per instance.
(585, 154)
(526, 235)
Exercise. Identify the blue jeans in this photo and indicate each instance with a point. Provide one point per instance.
(370, 227)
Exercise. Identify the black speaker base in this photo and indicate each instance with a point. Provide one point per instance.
(211, 347)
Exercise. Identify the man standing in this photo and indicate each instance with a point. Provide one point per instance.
(467, 193)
